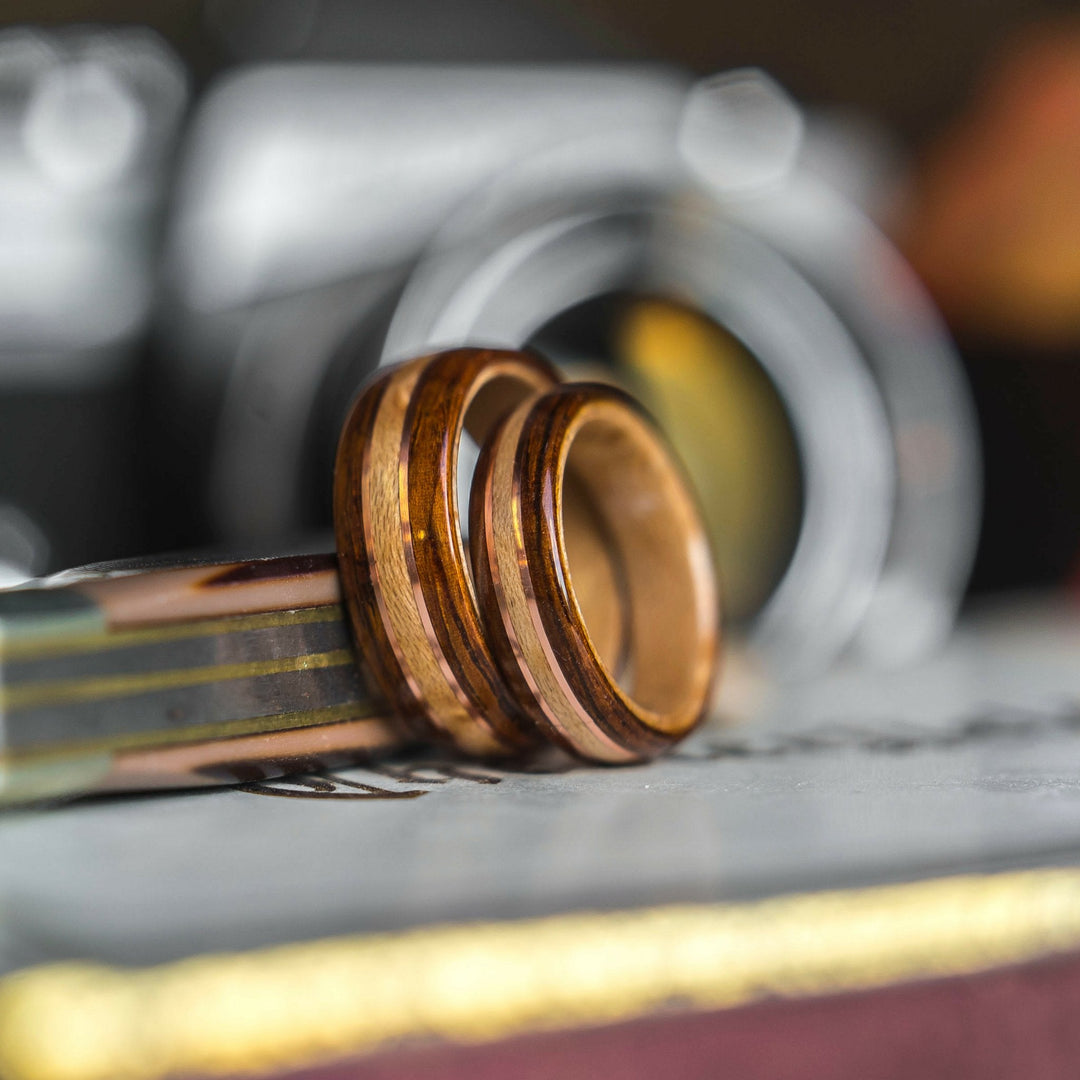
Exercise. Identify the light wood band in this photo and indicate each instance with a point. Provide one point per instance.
(598, 438)
(402, 558)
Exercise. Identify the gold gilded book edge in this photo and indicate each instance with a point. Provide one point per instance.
(297, 1005)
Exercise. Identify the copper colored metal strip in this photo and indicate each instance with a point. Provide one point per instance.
(250, 757)
(200, 592)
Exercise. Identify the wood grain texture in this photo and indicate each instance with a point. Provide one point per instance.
(359, 577)
(404, 569)
(463, 390)
(525, 576)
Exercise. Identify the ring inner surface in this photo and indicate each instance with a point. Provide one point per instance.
(658, 544)
(496, 394)
(599, 581)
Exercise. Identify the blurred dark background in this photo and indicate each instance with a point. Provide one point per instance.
(971, 116)
(913, 65)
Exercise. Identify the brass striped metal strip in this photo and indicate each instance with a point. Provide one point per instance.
(73, 691)
(97, 641)
(227, 729)
(296, 1005)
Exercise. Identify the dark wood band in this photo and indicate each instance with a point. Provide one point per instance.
(364, 600)
(598, 438)
(405, 574)
(464, 390)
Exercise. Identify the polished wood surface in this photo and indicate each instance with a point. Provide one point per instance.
(403, 566)
(598, 438)
(624, 589)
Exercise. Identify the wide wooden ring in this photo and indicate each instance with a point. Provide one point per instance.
(402, 559)
(599, 439)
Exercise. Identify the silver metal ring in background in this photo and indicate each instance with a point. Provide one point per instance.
(820, 299)
(567, 186)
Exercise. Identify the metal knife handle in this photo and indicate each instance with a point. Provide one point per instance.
(187, 676)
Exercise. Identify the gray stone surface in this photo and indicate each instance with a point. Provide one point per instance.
(968, 762)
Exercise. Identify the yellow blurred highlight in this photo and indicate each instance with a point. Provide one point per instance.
(300, 1004)
(726, 422)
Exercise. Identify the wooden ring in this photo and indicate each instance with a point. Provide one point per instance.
(598, 438)
(403, 566)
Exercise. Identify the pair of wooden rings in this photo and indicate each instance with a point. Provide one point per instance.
(584, 609)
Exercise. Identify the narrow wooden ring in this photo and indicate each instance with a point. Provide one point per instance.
(525, 577)
(402, 559)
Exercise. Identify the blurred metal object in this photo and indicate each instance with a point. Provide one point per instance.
(332, 218)
(87, 122)
(740, 132)
(89, 117)
(24, 551)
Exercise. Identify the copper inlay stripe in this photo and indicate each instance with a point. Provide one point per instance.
(99, 641)
(73, 691)
(292, 1006)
